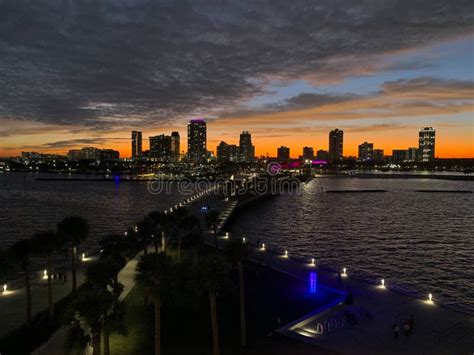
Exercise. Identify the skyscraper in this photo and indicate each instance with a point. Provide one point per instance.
(136, 144)
(175, 146)
(283, 154)
(160, 147)
(308, 153)
(197, 140)
(366, 151)
(247, 150)
(335, 145)
(426, 144)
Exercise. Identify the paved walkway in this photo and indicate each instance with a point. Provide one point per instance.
(437, 330)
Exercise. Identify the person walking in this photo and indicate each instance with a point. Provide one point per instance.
(395, 330)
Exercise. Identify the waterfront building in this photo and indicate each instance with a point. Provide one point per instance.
(247, 150)
(74, 155)
(197, 140)
(336, 145)
(160, 147)
(308, 153)
(228, 152)
(175, 146)
(108, 154)
(90, 153)
(378, 154)
(426, 144)
(136, 144)
(399, 155)
(283, 154)
(322, 155)
(366, 151)
(412, 154)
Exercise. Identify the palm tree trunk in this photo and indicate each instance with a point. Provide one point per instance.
(215, 235)
(163, 249)
(215, 330)
(50, 288)
(96, 343)
(157, 326)
(106, 342)
(243, 330)
(179, 248)
(73, 268)
(28, 295)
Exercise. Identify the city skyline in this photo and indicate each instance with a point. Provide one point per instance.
(288, 80)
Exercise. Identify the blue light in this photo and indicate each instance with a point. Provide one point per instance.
(116, 180)
(313, 282)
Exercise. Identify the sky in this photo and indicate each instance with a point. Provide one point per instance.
(77, 73)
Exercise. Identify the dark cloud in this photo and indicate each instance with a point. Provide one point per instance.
(126, 63)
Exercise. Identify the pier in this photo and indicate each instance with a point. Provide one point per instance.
(437, 329)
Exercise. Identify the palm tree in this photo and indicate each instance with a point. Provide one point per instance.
(45, 244)
(86, 317)
(74, 229)
(145, 229)
(194, 240)
(187, 224)
(103, 275)
(212, 220)
(236, 252)
(214, 272)
(22, 251)
(154, 273)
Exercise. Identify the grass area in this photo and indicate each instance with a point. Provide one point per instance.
(186, 325)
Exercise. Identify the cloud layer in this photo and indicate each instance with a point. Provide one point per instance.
(115, 64)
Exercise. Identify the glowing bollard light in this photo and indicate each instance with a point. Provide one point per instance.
(263, 246)
(312, 262)
(4, 288)
(286, 254)
(45, 274)
(430, 298)
(83, 256)
(226, 235)
(125, 233)
(344, 272)
(243, 240)
(382, 283)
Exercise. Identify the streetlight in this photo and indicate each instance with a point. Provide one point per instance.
(344, 272)
(312, 262)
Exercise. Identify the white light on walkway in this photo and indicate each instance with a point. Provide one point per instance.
(430, 298)
(312, 262)
(125, 233)
(243, 240)
(83, 256)
(344, 272)
(45, 274)
(286, 253)
(4, 288)
(226, 235)
(263, 246)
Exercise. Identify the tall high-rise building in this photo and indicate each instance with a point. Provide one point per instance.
(247, 150)
(366, 151)
(197, 140)
(283, 154)
(175, 146)
(308, 153)
(160, 147)
(335, 144)
(426, 144)
(136, 144)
